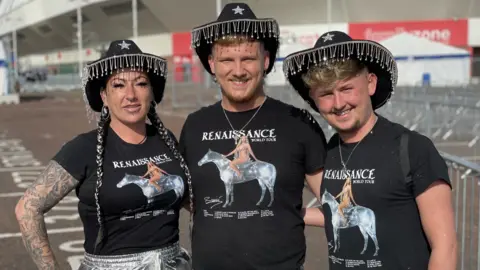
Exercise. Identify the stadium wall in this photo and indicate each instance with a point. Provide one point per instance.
(458, 33)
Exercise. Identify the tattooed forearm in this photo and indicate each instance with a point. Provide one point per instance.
(49, 188)
(36, 242)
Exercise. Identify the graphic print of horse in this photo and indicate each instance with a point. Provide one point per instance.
(264, 172)
(360, 216)
(166, 182)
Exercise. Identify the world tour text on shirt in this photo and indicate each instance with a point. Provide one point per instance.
(258, 135)
(358, 176)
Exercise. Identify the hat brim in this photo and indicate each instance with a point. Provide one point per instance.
(375, 56)
(96, 74)
(265, 30)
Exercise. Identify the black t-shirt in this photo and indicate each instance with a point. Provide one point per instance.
(137, 215)
(260, 225)
(381, 228)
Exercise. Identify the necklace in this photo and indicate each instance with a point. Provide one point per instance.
(143, 140)
(344, 164)
(251, 118)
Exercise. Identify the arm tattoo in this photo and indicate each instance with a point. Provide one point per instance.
(49, 188)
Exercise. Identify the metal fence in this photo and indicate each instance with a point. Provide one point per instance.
(449, 116)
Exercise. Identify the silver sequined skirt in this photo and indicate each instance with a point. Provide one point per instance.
(173, 257)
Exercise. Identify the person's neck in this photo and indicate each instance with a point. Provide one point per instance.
(253, 103)
(359, 134)
(133, 134)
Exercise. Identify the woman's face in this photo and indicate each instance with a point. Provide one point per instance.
(128, 96)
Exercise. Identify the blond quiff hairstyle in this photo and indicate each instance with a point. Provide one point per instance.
(231, 40)
(325, 75)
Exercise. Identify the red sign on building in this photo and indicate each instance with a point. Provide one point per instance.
(181, 43)
(450, 32)
(185, 66)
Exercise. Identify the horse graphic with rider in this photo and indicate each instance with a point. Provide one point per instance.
(155, 182)
(347, 215)
(242, 169)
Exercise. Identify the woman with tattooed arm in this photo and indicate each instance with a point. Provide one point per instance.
(129, 223)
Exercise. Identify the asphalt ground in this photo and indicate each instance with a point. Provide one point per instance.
(33, 131)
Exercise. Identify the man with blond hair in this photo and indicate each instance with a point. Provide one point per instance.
(391, 183)
(252, 219)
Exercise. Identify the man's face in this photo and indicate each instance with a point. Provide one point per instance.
(347, 105)
(239, 69)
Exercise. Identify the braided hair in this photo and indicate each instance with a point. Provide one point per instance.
(101, 135)
(153, 117)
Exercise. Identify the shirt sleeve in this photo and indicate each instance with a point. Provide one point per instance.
(75, 155)
(426, 163)
(314, 143)
(182, 140)
(182, 149)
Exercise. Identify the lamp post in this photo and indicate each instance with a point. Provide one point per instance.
(14, 45)
(15, 54)
(11, 50)
(79, 34)
(135, 19)
(219, 7)
(329, 14)
(79, 40)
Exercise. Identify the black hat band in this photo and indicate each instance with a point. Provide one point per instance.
(363, 51)
(132, 61)
(266, 28)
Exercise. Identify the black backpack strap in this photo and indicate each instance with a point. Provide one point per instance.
(404, 158)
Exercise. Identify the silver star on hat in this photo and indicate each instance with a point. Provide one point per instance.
(124, 45)
(238, 10)
(328, 36)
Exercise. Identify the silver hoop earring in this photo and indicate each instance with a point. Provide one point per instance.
(105, 112)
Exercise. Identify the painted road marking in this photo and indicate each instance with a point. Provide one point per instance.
(75, 261)
(75, 246)
(17, 160)
(25, 169)
(64, 208)
(9, 153)
(23, 179)
(51, 231)
(14, 154)
(11, 142)
(53, 219)
(72, 246)
(15, 169)
(11, 194)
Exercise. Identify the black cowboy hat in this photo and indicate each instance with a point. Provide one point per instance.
(236, 19)
(338, 46)
(122, 54)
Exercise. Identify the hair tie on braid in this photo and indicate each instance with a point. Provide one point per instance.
(153, 116)
(101, 134)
